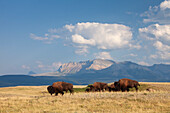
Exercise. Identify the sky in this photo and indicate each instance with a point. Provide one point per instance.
(41, 35)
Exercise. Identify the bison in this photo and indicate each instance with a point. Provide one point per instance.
(98, 86)
(60, 87)
(124, 84)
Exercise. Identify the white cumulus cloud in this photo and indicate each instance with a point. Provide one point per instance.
(103, 55)
(156, 32)
(86, 35)
(161, 47)
(165, 5)
(102, 36)
(81, 40)
(159, 14)
(159, 36)
(163, 50)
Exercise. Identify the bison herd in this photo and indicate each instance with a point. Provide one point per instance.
(121, 85)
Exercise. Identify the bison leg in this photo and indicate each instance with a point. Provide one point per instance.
(62, 93)
(94, 89)
(102, 90)
(123, 89)
(56, 94)
(136, 87)
(71, 92)
(110, 89)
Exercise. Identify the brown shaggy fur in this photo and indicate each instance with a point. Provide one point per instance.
(98, 86)
(124, 84)
(60, 87)
(112, 87)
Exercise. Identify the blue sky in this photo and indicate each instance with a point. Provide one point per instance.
(40, 35)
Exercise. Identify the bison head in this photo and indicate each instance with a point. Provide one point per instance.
(106, 87)
(117, 86)
(50, 90)
(92, 88)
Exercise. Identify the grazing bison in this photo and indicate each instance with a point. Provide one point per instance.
(67, 86)
(98, 86)
(60, 87)
(124, 84)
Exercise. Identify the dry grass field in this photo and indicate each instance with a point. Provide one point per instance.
(35, 99)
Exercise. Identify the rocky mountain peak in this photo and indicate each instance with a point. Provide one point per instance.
(96, 64)
(71, 67)
(99, 64)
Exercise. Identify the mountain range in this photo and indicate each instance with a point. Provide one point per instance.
(87, 72)
(111, 69)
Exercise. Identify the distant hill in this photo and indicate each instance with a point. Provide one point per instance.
(31, 73)
(87, 72)
(27, 80)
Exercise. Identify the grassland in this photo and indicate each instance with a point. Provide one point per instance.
(36, 99)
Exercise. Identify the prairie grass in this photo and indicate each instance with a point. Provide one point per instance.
(36, 99)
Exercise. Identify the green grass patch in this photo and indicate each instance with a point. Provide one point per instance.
(79, 89)
(142, 87)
